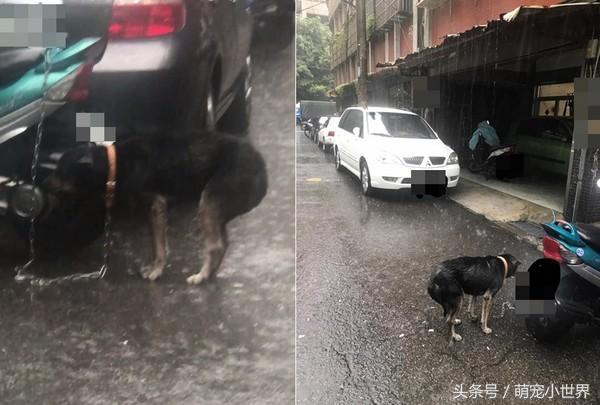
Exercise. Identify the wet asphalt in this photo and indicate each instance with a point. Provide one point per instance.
(368, 333)
(124, 340)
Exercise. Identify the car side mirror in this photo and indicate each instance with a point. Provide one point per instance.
(356, 131)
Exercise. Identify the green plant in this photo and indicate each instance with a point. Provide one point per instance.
(313, 58)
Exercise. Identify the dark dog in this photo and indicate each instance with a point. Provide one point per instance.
(472, 276)
(223, 173)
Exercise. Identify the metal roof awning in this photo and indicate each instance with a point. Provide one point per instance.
(519, 33)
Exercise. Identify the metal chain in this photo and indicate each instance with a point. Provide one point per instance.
(506, 305)
(96, 275)
(41, 281)
(34, 164)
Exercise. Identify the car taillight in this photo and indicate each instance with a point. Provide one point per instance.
(146, 18)
(331, 133)
(552, 249)
(80, 90)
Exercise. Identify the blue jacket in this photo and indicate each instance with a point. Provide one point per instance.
(489, 135)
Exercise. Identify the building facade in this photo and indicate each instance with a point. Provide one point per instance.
(390, 27)
(506, 61)
(312, 8)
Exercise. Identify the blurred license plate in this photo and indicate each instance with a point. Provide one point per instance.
(432, 182)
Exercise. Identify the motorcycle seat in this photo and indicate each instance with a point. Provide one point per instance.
(590, 234)
(15, 62)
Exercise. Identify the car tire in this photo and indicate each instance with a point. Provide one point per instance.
(337, 159)
(365, 179)
(547, 329)
(236, 119)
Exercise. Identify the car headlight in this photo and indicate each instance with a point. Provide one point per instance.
(385, 157)
(453, 159)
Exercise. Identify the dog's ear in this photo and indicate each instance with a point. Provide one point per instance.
(513, 264)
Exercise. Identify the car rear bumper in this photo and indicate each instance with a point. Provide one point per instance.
(396, 177)
(139, 55)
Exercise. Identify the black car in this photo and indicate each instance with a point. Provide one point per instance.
(180, 65)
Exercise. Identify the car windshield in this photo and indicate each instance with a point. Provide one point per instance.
(398, 125)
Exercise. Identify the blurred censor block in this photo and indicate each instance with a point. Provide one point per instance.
(425, 92)
(90, 128)
(27, 24)
(586, 130)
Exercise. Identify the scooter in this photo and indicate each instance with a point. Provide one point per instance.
(307, 127)
(40, 84)
(484, 159)
(564, 286)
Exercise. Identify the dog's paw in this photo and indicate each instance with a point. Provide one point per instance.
(197, 279)
(457, 337)
(457, 321)
(152, 272)
(486, 330)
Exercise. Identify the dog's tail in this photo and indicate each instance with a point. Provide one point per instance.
(446, 291)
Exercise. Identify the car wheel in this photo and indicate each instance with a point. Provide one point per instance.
(237, 117)
(337, 158)
(547, 329)
(365, 179)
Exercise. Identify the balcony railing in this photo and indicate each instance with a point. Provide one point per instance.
(388, 11)
(381, 14)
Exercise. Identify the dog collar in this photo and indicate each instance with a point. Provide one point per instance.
(111, 179)
(505, 265)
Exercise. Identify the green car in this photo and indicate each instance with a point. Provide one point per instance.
(545, 142)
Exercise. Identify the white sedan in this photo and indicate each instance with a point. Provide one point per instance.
(386, 147)
(327, 133)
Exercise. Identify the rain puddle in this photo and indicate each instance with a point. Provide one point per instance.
(23, 274)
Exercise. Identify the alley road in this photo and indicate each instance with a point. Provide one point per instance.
(125, 340)
(368, 333)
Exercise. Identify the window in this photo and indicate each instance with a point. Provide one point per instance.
(554, 130)
(399, 126)
(356, 121)
(344, 120)
(554, 100)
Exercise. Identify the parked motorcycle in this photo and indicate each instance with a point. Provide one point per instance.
(566, 281)
(307, 127)
(484, 158)
(43, 83)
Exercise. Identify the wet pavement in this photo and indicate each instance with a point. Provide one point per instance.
(124, 340)
(368, 333)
